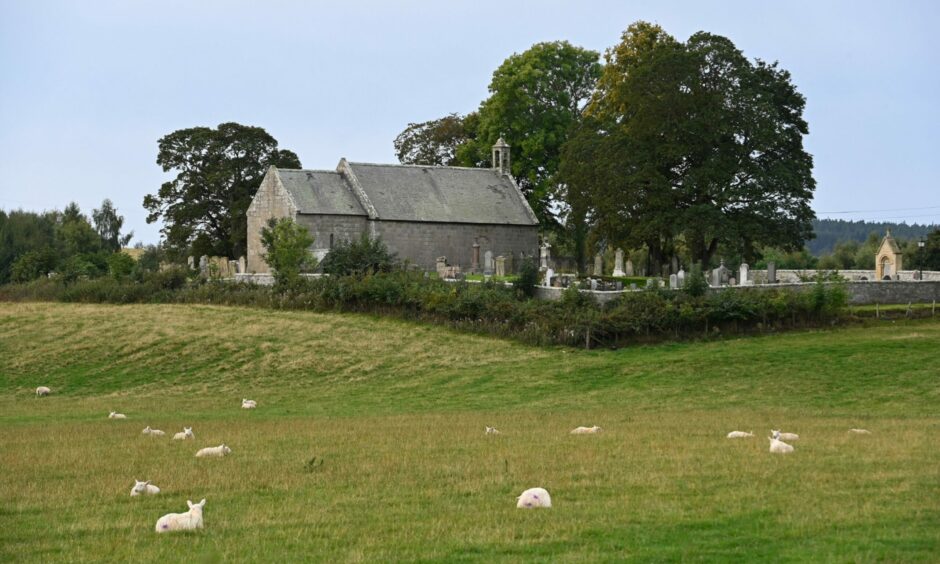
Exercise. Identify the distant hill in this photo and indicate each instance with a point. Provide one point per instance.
(831, 231)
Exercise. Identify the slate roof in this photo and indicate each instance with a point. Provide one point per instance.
(412, 193)
(320, 191)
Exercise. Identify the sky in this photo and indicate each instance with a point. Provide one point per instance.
(87, 88)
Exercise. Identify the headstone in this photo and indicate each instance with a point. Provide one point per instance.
(732, 281)
(488, 264)
(716, 277)
(772, 272)
(673, 282)
(232, 267)
(680, 278)
(441, 265)
(628, 271)
(191, 262)
(593, 284)
(650, 283)
(544, 255)
(619, 286)
(508, 266)
(618, 263)
(500, 265)
(475, 261)
(242, 268)
(724, 273)
(598, 265)
(549, 273)
(203, 264)
(742, 274)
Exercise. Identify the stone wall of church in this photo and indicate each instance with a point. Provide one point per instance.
(328, 230)
(421, 243)
(271, 200)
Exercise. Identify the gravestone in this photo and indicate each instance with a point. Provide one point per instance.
(203, 264)
(508, 266)
(241, 265)
(544, 255)
(771, 272)
(618, 263)
(732, 281)
(742, 274)
(441, 265)
(673, 282)
(488, 265)
(598, 265)
(628, 271)
(680, 278)
(593, 284)
(232, 268)
(549, 273)
(500, 265)
(191, 262)
(475, 261)
(716, 277)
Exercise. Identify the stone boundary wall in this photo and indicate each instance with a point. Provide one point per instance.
(788, 276)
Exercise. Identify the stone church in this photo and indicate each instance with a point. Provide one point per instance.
(420, 212)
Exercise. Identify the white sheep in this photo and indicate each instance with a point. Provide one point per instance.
(153, 432)
(218, 451)
(784, 436)
(116, 415)
(186, 433)
(860, 431)
(534, 497)
(779, 447)
(492, 431)
(586, 430)
(249, 404)
(43, 391)
(740, 435)
(188, 521)
(144, 488)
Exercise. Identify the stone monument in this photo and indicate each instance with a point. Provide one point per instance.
(618, 263)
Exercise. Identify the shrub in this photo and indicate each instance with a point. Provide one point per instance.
(120, 265)
(286, 249)
(31, 265)
(528, 278)
(695, 283)
(358, 258)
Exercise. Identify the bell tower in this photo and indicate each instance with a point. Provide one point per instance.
(501, 157)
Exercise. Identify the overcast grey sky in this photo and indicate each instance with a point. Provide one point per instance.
(87, 88)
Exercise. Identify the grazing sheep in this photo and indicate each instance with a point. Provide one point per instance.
(586, 430)
(187, 433)
(249, 404)
(218, 451)
(43, 391)
(188, 521)
(779, 447)
(784, 436)
(739, 435)
(534, 497)
(116, 415)
(492, 431)
(860, 431)
(142, 488)
(153, 432)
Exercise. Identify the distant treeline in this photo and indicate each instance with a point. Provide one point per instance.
(832, 231)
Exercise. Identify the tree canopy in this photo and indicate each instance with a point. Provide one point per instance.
(692, 143)
(218, 172)
(435, 142)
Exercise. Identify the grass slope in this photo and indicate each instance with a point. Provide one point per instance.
(394, 414)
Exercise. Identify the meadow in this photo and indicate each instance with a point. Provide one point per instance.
(368, 443)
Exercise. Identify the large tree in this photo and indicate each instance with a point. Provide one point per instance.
(693, 142)
(217, 174)
(536, 97)
(108, 224)
(435, 142)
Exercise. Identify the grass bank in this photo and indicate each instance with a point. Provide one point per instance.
(393, 414)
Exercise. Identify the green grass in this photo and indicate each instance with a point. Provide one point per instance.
(394, 414)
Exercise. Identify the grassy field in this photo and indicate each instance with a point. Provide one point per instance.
(368, 441)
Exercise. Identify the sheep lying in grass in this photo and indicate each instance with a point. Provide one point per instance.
(144, 488)
(218, 451)
(188, 521)
(187, 433)
(784, 436)
(534, 497)
(116, 415)
(249, 404)
(43, 391)
(153, 432)
(860, 431)
(492, 431)
(586, 430)
(779, 447)
(739, 435)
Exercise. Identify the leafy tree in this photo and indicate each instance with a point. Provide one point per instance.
(217, 174)
(365, 256)
(434, 142)
(22, 232)
(286, 249)
(528, 278)
(120, 265)
(108, 224)
(928, 258)
(32, 265)
(694, 142)
(75, 234)
(536, 97)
